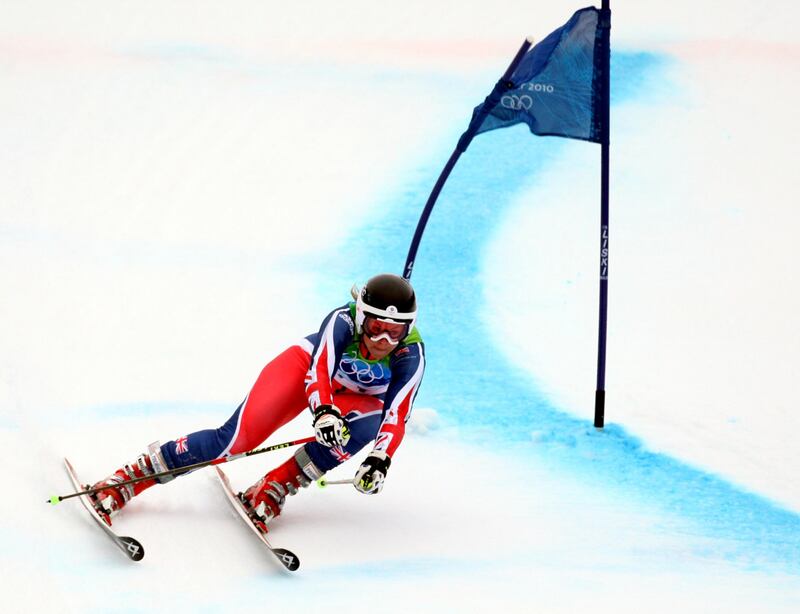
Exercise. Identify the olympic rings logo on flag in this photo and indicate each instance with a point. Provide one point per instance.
(364, 372)
(517, 103)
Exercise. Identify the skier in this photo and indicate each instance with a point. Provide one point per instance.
(358, 375)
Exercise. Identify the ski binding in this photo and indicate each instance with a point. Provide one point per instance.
(130, 546)
(288, 559)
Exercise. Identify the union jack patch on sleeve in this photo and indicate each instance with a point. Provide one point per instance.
(181, 445)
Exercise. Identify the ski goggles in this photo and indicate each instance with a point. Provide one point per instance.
(393, 332)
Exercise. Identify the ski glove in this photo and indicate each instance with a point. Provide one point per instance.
(370, 475)
(330, 428)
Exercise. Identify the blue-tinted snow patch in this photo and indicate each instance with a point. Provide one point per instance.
(172, 51)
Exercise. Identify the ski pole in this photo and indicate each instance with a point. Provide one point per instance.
(181, 470)
(322, 482)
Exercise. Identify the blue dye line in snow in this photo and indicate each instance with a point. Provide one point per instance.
(472, 384)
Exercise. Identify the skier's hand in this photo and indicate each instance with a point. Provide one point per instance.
(330, 428)
(370, 475)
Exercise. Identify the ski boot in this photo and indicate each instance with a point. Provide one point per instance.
(265, 499)
(109, 501)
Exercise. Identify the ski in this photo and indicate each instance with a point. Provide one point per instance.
(131, 547)
(288, 559)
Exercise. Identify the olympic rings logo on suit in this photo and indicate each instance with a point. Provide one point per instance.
(364, 372)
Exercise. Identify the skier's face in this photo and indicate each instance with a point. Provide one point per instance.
(378, 349)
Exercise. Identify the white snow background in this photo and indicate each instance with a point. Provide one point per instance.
(188, 187)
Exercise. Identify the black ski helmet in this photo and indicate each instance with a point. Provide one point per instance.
(387, 297)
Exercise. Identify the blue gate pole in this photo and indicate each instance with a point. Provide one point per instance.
(605, 50)
(503, 85)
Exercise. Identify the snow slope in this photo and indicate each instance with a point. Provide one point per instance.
(187, 187)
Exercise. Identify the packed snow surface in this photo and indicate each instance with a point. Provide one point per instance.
(189, 187)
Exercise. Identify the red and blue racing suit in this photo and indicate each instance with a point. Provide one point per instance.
(327, 367)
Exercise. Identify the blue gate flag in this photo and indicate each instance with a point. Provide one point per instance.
(560, 87)
(556, 89)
